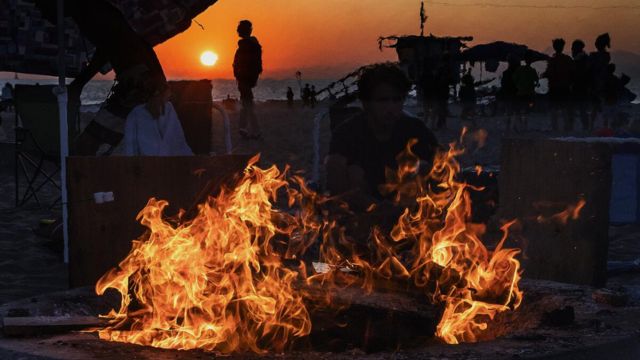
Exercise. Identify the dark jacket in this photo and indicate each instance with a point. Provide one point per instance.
(247, 63)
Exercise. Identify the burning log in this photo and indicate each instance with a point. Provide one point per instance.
(220, 281)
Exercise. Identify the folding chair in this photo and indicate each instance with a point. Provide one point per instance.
(37, 143)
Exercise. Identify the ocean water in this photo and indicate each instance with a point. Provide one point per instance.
(96, 91)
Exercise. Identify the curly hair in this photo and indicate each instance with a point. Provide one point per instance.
(383, 73)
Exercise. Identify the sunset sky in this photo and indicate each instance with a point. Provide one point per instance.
(327, 38)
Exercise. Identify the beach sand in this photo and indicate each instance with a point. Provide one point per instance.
(29, 266)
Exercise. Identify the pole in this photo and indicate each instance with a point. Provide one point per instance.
(423, 18)
(61, 92)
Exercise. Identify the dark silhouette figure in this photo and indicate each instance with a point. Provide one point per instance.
(289, 96)
(525, 79)
(306, 95)
(133, 60)
(467, 95)
(598, 62)
(581, 83)
(560, 75)
(435, 83)
(312, 96)
(508, 91)
(363, 146)
(247, 67)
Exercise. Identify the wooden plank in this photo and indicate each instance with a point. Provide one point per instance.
(100, 234)
(540, 177)
(39, 325)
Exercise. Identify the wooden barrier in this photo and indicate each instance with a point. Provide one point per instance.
(542, 177)
(100, 234)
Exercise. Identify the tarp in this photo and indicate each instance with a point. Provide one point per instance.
(499, 51)
(28, 42)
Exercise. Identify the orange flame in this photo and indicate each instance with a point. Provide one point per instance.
(214, 283)
(218, 282)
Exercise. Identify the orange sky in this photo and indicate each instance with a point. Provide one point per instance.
(327, 38)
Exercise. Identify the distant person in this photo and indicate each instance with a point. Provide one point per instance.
(153, 128)
(119, 46)
(367, 143)
(312, 97)
(508, 91)
(526, 80)
(289, 96)
(467, 95)
(306, 95)
(598, 62)
(581, 82)
(560, 72)
(7, 97)
(247, 67)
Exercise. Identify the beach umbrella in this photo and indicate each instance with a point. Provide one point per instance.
(31, 44)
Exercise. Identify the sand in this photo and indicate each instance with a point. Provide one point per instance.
(29, 266)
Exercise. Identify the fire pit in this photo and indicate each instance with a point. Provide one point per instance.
(237, 277)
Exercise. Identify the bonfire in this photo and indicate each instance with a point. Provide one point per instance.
(233, 277)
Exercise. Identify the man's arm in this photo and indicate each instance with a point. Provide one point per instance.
(348, 182)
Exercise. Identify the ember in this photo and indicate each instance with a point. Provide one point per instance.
(223, 281)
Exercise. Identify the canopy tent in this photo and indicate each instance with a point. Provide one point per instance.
(500, 51)
(31, 44)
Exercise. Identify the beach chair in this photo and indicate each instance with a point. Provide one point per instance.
(37, 155)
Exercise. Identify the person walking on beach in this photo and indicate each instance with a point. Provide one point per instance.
(289, 97)
(559, 73)
(580, 83)
(247, 67)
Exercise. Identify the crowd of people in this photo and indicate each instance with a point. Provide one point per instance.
(580, 84)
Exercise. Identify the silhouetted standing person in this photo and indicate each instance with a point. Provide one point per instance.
(468, 95)
(247, 67)
(526, 80)
(306, 95)
(581, 82)
(312, 96)
(290, 96)
(559, 73)
(598, 62)
(508, 90)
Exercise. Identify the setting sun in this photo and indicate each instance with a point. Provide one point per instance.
(208, 58)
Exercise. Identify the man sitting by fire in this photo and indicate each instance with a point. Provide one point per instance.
(365, 145)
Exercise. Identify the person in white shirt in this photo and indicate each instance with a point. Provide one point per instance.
(153, 128)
